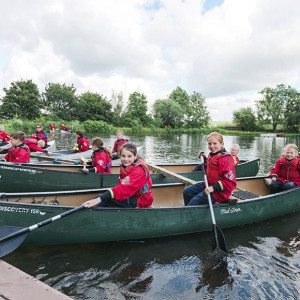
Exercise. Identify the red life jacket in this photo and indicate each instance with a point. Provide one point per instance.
(289, 170)
(103, 156)
(83, 144)
(224, 173)
(41, 135)
(20, 154)
(4, 137)
(144, 195)
(118, 144)
(32, 145)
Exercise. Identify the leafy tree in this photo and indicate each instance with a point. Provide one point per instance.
(181, 97)
(292, 110)
(168, 112)
(60, 100)
(93, 106)
(279, 106)
(117, 107)
(21, 99)
(198, 114)
(245, 117)
(137, 108)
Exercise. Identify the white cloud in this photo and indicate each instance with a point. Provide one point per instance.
(227, 53)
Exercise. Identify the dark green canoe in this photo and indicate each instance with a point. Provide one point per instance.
(167, 217)
(51, 177)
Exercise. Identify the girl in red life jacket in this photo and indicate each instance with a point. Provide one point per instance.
(40, 134)
(118, 144)
(220, 175)
(234, 151)
(18, 153)
(4, 137)
(82, 144)
(134, 189)
(286, 173)
(101, 158)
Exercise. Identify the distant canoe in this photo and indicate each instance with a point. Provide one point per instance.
(167, 217)
(50, 147)
(50, 177)
(270, 135)
(65, 131)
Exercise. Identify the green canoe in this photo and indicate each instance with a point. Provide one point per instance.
(167, 217)
(51, 177)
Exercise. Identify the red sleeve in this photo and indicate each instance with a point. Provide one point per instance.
(129, 185)
(275, 170)
(6, 137)
(227, 173)
(35, 147)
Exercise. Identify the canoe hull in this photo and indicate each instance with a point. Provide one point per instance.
(34, 179)
(101, 225)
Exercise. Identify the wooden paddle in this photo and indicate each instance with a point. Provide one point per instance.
(12, 237)
(170, 174)
(219, 238)
(54, 159)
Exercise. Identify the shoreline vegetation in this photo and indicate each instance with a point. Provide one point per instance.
(101, 127)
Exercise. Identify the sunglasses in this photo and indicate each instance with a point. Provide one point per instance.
(38, 127)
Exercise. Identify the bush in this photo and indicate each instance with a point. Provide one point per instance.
(97, 126)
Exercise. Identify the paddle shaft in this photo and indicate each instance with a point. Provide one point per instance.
(210, 205)
(41, 224)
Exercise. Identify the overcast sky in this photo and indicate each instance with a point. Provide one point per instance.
(226, 50)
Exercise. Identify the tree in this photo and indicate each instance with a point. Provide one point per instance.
(292, 110)
(245, 117)
(137, 108)
(182, 98)
(22, 99)
(60, 100)
(93, 106)
(117, 107)
(198, 114)
(168, 112)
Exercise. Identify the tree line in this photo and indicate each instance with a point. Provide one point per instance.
(276, 106)
(60, 101)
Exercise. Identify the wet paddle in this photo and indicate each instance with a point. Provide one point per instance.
(12, 237)
(219, 239)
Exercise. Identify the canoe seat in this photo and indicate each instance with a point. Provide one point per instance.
(243, 195)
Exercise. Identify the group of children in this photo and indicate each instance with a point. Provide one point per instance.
(21, 146)
(134, 188)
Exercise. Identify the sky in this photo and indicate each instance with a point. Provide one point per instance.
(226, 50)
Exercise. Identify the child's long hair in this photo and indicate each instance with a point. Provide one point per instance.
(130, 147)
(98, 142)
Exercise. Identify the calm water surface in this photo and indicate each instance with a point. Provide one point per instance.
(263, 261)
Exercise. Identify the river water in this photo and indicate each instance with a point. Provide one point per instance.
(263, 261)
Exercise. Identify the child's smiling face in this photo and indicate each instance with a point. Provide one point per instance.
(214, 145)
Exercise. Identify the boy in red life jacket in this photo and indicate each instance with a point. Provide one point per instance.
(18, 153)
(134, 189)
(118, 144)
(101, 158)
(35, 145)
(220, 175)
(82, 144)
(234, 151)
(286, 173)
(4, 137)
(52, 126)
(40, 134)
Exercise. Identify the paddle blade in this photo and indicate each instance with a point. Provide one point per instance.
(218, 240)
(11, 244)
